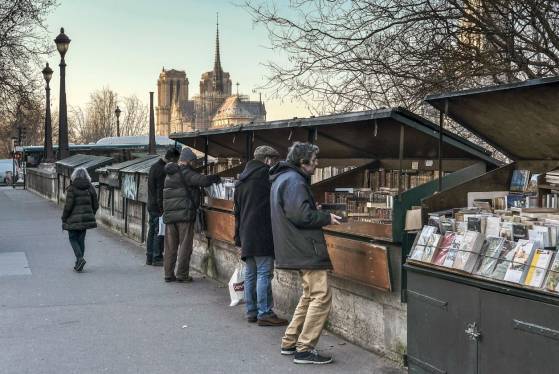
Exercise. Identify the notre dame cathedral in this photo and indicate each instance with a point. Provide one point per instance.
(214, 107)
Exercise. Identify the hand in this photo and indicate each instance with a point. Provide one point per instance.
(334, 219)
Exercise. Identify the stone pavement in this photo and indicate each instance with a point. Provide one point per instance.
(119, 316)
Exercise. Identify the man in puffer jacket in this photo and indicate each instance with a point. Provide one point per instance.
(299, 244)
(181, 200)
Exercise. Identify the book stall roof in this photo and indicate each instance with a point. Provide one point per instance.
(520, 119)
(366, 134)
(122, 165)
(140, 167)
(80, 160)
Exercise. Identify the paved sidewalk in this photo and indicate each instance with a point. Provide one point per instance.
(119, 316)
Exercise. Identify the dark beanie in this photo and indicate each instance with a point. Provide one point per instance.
(187, 155)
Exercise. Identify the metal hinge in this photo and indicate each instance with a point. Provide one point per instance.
(473, 332)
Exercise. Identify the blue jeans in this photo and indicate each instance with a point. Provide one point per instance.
(77, 241)
(259, 271)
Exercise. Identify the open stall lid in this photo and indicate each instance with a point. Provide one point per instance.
(140, 167)
(519, 119)
(366, 134)
(122, 165)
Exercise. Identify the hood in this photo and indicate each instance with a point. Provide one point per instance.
(283, 167)
(253, 167)
(172, 168)
(81, 183)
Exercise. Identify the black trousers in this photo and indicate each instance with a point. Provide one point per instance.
(154, 243)
(77, 241)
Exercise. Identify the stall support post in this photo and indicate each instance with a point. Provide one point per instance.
(206, 149)
(313, 133)
(249, 143)
(441, 128)
(401, 158)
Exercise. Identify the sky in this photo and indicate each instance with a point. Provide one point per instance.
(124, 44)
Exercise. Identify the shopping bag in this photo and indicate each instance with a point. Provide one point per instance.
(161, 228)
(237, 287)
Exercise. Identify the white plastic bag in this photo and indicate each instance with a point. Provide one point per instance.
(161, 229)
(237, 287)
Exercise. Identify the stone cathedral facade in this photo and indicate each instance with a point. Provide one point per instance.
(214, 106)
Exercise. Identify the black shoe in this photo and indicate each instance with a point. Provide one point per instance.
(170, 279)
(288, 351)
(80, 264)
(311, 357)
(252, 319)
(157, 263)
(149, 261)
(188, 279)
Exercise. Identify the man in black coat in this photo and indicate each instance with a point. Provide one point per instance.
(253, 233)
(300, 245)
(156, 180)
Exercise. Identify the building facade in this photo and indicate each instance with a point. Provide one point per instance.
(214, 106)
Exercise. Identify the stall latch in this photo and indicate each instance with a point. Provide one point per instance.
(473, 332)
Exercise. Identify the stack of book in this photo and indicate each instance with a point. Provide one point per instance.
(552, 177)
(376, 179)
(327, 172)
(224, 190)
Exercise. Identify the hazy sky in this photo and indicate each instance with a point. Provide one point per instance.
(123, 44)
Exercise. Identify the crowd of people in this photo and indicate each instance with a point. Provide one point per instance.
(277, 224)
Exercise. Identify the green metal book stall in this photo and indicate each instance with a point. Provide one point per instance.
(65, 168)
(483, 272)
(374, 165)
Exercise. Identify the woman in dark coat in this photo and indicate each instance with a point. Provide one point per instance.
(79, 213)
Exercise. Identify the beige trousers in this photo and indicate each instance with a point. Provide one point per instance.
(311, 313)
(179, 238)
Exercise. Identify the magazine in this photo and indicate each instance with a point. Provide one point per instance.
(453, 251)
(468, 254)
(504, 261)
(490, 255)
(444, 248)
(552, 281)
(431, 248)
(518, 267)
(537, 268)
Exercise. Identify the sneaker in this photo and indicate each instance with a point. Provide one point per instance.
(271, 320)
(157, 263)
(311, 357)
(288, 351)
(187, 279)
(170, 279)
(252, 319)
(80, 265)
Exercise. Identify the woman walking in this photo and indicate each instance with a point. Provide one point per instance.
(79, 213)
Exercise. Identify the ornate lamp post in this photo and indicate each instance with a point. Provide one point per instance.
(47, 74)
(62, 43)
(117, 114)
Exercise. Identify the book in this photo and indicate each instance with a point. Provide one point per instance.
(518, 267)
(446, 224)
(516, 201)
(519, 181)
(425, 234)
(468, 253)
(492, 226)
(431, 248)
(490, 252)
(552, 281)
(504, 260)
(475, 224)
(453, 251)
(444, 248)
(537, 268)
(519, 231)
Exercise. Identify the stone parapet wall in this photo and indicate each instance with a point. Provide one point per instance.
(42, 181)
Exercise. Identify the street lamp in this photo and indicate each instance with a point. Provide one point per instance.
(117, 113)
(47, 74)
(62, 43)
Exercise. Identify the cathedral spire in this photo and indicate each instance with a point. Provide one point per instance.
(218, 71)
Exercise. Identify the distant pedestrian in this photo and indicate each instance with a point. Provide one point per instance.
(300, 245)
(253, 233)
(156, 182)
(181, 200)
(79, 213)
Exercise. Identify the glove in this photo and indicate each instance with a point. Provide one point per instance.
(215, 178)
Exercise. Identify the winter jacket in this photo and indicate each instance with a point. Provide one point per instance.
(296, 222)
(180, 204)
(81, 206)
(253, 224)
(156, 182)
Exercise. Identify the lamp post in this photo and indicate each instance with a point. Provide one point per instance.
(117, 113)
(62, 43)
(47, 74)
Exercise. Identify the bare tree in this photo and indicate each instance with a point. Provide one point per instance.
(23, 41)
(99, 120)
(135, 116)
(361, 54)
